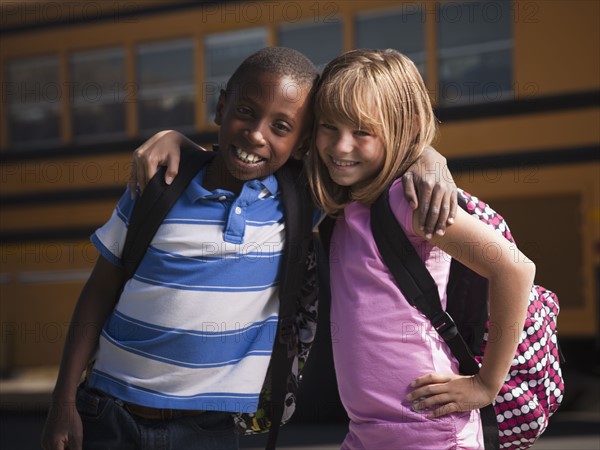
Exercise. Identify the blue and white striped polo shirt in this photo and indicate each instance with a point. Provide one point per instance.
(194, 328)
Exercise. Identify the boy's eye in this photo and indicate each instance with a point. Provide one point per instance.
(244, 110)
(282, 127)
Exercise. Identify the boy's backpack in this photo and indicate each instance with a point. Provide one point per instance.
(297, 289)
(534, 387)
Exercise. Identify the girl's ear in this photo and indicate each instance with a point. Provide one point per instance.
(220, 107)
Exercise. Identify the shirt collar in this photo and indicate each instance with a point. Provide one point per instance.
(196, 191)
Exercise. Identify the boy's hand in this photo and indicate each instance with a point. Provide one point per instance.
(431, 191)
(63, 429)
(162, 149)
(444, 394)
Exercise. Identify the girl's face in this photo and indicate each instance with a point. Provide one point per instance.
(350, 154)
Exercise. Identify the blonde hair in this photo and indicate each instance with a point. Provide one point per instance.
(380, 91)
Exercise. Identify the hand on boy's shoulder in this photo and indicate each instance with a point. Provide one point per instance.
(432, 196)
(162, 149)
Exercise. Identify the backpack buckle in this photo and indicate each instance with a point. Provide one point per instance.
(444, 325)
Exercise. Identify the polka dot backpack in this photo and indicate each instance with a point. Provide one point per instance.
(534, 387)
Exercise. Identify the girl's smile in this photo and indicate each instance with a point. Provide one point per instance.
(340, 164)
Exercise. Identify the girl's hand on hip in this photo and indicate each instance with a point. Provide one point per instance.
(444, 394)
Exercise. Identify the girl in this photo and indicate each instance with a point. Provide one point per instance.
(397, 379)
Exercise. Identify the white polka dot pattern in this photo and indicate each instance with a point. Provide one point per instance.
(534, 387)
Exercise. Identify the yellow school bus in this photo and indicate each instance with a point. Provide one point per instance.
(515, 83)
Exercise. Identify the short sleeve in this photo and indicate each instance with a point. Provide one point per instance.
(401, 208)
(436, 261)
(110, 237)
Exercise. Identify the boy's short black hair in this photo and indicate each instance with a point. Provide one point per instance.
(282, 61)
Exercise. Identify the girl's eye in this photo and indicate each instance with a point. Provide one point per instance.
(362, 133)
(328, 126)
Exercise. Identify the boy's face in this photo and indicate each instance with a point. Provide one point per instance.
(263, 121)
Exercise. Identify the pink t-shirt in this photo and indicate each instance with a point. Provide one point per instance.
(381, 343)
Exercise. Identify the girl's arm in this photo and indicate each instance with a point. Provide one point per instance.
(431, 192)
(96, 301)
(162, 149)
(510, 276)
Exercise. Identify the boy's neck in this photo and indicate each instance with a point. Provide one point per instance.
(218, 177)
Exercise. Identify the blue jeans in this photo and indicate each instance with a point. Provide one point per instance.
(107, 425)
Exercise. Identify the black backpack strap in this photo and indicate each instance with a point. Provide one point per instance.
(489, 427)
(298, 227)
(153, 206)
(298, 234)
(420, 290)
(325, 233)
(414, 280)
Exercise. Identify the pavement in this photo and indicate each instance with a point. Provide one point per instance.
(567, 431)
(25, 396)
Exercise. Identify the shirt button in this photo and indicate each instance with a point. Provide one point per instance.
(222, 198)
(238, 210)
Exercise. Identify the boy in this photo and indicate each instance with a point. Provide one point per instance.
(187, 341)
(190, 336)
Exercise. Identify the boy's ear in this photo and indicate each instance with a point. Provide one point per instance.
(220, 107)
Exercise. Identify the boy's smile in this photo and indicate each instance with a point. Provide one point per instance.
(263, 120)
